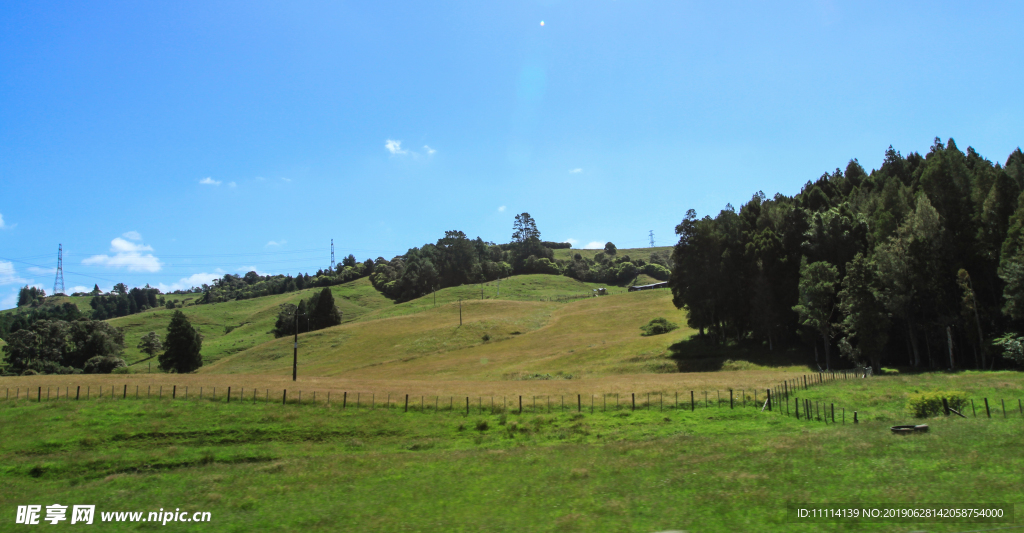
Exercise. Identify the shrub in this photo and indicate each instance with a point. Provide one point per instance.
(104, 365)
(658, 326)
(657, 272)
(481, 425)
(927, 404)
(121, 370)
(486, 337)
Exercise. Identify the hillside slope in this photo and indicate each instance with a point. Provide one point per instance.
(594, 336)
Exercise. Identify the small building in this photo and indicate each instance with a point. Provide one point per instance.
(662, 285)
(600, 292)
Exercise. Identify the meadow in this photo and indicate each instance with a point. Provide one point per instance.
(607, 439)
(267, 466)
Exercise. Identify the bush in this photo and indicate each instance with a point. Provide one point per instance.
(927, 404)
(481, 425)
(658, 326)
(30, 372)
(121, 370)
(657, 272)
(486, 337)
(104, 365)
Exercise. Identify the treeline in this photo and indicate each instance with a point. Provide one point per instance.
(123, 302)
(319, 313)
(920, 262)
(64, 347)
(253, 285)
(23, 319)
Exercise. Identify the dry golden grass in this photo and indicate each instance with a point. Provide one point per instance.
(591, 337)
(624, 385)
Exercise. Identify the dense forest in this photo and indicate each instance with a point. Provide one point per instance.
(920, 263)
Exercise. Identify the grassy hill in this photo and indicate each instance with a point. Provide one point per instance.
(232, 327)
(633, 253)
(498, 339)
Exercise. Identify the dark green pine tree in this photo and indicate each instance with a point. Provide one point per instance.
(181, 346)
(325, 314)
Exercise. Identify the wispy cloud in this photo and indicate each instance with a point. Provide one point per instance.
(594, 245)
(133, 235)
(42, 271)
(2, 225)
(8, 275)
(501, 209)
(571, 241)
(232, 184)
(9, 301)
(195, 280)
(576, 171)
(127, 255)
(209, 181)
(286, 180)
(275, 243)
(79, 288)
(395, 147)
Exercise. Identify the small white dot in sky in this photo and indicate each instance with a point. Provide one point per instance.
(542, 23)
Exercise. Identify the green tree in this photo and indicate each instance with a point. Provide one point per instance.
(524, 228)
(150, 344)
(610, 249)
(181, 346)
(325, 313)
(817, 301)
(865, 318)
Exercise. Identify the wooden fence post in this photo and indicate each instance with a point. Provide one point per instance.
(730, 399)
(284, 396)
(1003, 402)
(945, 407)
(344, 399)
(833, 413)
(769, 400)
(855, 417)
(579, 405)
(693, 407)
(987, 412)
(634, 401)
(406, 403)
(229, 394)
(520, 404)
(174, 394)
(78, 391)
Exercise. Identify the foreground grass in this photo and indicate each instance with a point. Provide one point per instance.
(273, 467)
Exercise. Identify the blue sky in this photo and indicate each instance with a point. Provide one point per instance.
(169, 142)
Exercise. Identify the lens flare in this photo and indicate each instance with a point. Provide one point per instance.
(542, 23)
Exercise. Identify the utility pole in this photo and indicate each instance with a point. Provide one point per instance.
(651, 234)
(332, 255)
(295, 353)
(460, 312)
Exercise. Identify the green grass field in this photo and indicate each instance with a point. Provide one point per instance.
(267, 466)
(258, 465)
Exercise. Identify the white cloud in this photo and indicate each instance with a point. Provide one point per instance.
(8, 275)
(209, 181)
(260, 178)
(429, 150)
(576, 171)
(501, 209)
(247, 269)
(275, 243)
(133, 235)
(232, 184)
(395, 147)
(10, 301)
(43, 271)
(195, 280)
(571, 241)
(594, 245)
(127, 255)
(79, 288)
(286, 180)
(2, 226)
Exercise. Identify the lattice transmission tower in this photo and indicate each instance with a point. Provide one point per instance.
(332, 254)
(651, 233)
(58, 282)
